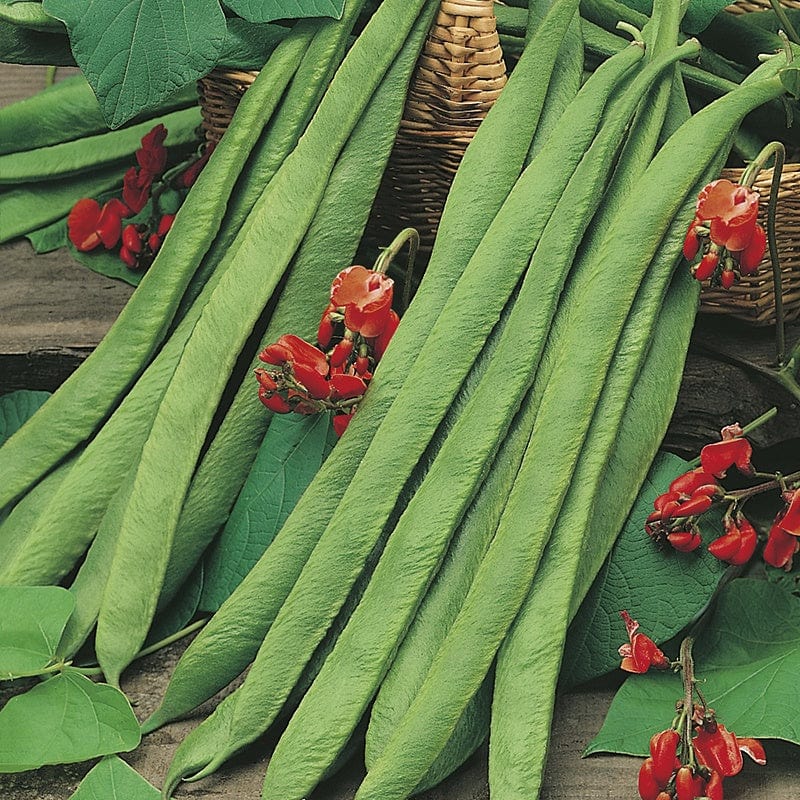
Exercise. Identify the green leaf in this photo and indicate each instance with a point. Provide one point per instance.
(66, 719)
(136, 53)
(50, 237)
(113, 779)
(248, 46)
(663, 590)
(20, 45)
(748, 659)
(16, 408)
(292, 452)
(268, 10)
(31, 625)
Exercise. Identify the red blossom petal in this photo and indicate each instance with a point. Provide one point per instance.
(707, 266)
(688, 483)
(691, 244)
(345, 387)
(274, 402)
(718, 457)
(754, 749)
(718, 751)
(790, 520)
(381, 342)
(780, 547)
(753, 254)
(109, 226)
(366, 297)
(684, 541)
(697, 505)
(152, 155)
(136, 189)
(315, 384)
(649, 787)
(663, 750)
(340, 423)
(82, 224)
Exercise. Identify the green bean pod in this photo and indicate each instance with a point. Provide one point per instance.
(94, 152)
(230, 641)
(279, 222)
(564, 416)
(63, 112)
(86, 398)
(417, 544)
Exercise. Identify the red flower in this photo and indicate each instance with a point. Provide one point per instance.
(89, 225)
(641, 652)
(707, 266)
(684, 541)
(753, 253)
(293, 350)
(381, 341)
(136, 189)
(190, 174)
(649, 786)
(732, 211)
(340, 423)
(346, 387)
(738, 543)
(687, 484)
(366, 297)
(152, 155)
(781, 546)
(718, 457)
(663, 751)
(790, 519)
(721, 751)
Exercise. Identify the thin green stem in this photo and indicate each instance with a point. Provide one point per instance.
(749, 428)
(388, 254)
(195, 626)
(786, 24)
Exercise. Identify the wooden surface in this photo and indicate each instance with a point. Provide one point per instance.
(52, 311)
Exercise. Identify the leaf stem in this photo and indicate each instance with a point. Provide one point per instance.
(175, 637)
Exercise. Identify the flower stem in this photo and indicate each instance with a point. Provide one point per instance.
(687, 676)
(388, 254)
(749, 428)
(786, 24)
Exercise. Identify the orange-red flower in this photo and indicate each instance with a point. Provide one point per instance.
(89, 225)
(732, 211)
(721, 750)
(152, 155)
(366, 297)
(640, 652)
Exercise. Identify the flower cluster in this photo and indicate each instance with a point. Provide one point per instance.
(90, 225)
(353, 334)
(725, 233)
(691, 758)
(685, 768)
(674, 521)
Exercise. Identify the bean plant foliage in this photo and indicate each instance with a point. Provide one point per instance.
(136, 53)
(113, 779)
(747, 661)
(663, 590)
(67, 717)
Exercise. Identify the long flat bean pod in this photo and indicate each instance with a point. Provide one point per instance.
(284, 211)
(337, 561)
(302, 96)
(65, 111)
(420, 538)
(230, 641)
(94, 152)
(508, 568)
(85, 399)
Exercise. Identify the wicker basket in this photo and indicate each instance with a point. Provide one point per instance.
(458, 78)
(743, 6)
(752, 299)
(220, 92)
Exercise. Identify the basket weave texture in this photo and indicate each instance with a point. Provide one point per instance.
(458, 78)
(220, 92)
(752, 299)
(743, 6)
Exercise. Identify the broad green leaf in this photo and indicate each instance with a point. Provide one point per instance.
(248, 45)
(268, 10)
(113, 779)
(20, 45)
(31, 625)
(292, 452)
(748, 659)
(136, 53)
(663, 590)
(50, 237)
(16, 408)
(65, 719)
